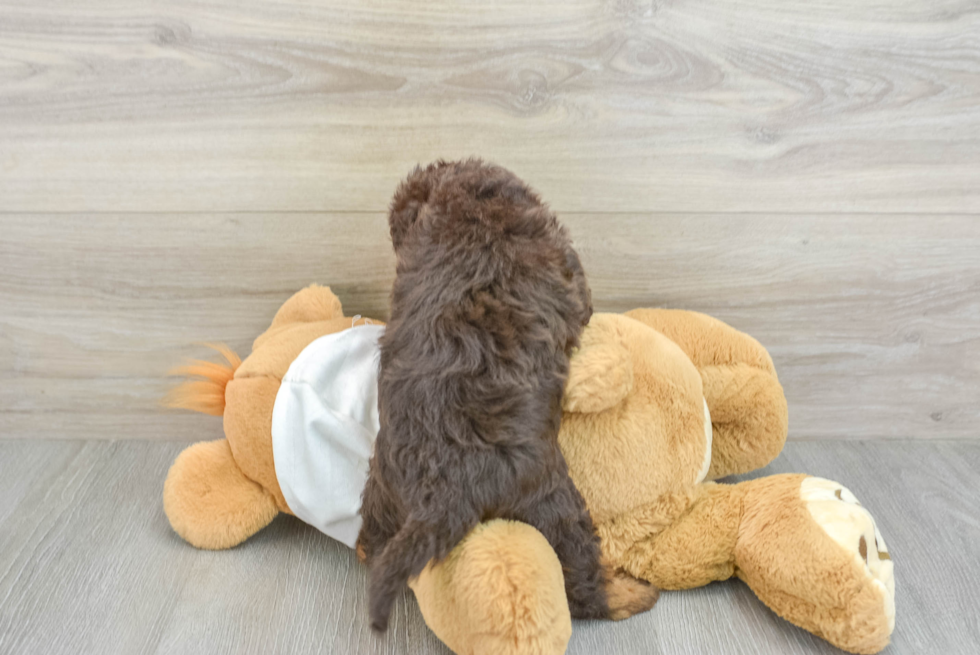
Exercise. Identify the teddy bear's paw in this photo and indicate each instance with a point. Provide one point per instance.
(838, 512)
(628, 596)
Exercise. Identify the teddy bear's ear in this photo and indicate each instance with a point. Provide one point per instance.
(600, 377)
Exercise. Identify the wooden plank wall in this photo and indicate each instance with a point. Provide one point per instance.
(809, 172)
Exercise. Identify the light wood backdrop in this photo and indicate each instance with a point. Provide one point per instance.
(809, 172)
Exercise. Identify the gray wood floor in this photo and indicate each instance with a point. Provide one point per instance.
(88, 564)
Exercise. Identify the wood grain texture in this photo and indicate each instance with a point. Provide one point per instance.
(88, 564)
(873, 321)
(625, 105)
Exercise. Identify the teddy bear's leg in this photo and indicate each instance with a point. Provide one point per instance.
(748, 409)
(804, 545)
(499, 592)
(749, 418)
(210, 502)
(250, 402)
(695, 548)
(813, 554)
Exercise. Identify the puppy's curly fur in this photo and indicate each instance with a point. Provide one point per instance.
(489, 298)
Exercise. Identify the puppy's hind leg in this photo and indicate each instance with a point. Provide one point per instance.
(379, 520)
(628, 595)
(406, 554)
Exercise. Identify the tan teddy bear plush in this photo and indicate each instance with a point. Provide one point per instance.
(657, 404)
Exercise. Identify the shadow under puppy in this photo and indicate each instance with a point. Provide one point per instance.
(489, 299)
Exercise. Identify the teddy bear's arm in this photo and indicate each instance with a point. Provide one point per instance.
(210, 502)
(748, 408)
(749, 418)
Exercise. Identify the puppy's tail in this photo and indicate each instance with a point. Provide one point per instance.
(205, 391)
(404, 557)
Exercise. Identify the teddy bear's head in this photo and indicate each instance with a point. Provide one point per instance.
(635, 425)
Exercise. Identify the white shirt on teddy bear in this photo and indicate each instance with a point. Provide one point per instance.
(324, 424)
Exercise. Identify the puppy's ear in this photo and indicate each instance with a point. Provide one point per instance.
(402, 219)
(575, 273)
(409, 202)
(600, 377)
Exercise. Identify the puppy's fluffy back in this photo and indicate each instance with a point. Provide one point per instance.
(488, 300)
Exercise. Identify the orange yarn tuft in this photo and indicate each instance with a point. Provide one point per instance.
(207, 393)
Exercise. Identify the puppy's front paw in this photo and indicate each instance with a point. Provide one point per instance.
(628, 596)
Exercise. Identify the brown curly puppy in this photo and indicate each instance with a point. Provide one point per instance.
(489, 298)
